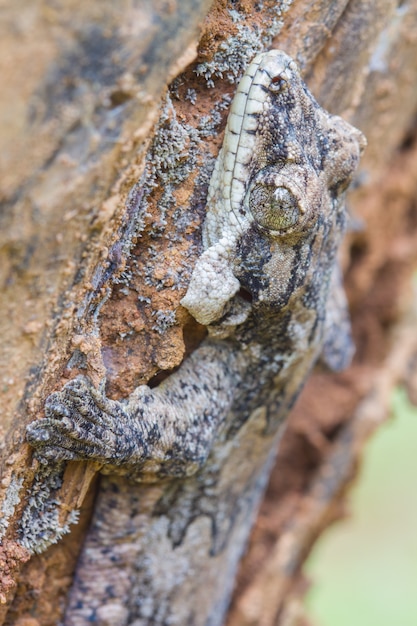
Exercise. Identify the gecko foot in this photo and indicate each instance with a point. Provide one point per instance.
(81, 424)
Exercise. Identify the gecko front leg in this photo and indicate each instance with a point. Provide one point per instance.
(165, 431)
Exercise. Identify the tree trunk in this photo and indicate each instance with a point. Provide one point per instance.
(104, 185)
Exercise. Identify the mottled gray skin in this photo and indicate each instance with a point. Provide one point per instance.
(268, 288)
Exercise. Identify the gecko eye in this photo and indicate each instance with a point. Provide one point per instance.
(277, 84)
(274, 208)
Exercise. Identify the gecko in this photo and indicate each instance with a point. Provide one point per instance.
(267, 286)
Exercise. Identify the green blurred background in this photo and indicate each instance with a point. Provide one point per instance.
(364, 569)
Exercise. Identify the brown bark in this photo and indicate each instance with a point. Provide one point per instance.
(81, 99)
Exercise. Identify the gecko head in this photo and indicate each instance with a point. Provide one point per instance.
(276, 199)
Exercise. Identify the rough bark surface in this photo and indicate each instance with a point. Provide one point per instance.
(82, 99)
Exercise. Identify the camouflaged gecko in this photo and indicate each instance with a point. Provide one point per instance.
(267, 287)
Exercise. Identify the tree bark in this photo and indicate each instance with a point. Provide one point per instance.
(76, 130)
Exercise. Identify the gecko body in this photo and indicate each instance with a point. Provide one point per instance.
(267, 286)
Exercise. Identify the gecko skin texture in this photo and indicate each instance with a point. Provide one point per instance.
(267, 286)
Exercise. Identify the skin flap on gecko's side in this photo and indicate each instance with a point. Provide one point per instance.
(268, 288)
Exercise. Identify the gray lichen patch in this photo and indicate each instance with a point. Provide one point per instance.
(235, 52)
(171, 159)
(40, 524)
(163, 320)
(171, 146)
(232, 56)
(9, 503)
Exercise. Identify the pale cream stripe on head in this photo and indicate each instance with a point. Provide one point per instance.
(231, 174)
